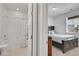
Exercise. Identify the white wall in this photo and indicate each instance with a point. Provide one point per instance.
(5, 17)
(60, 25)
(16, 29)
(50, 21)
(3, 23)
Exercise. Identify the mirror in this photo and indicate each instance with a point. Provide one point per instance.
(72, 24)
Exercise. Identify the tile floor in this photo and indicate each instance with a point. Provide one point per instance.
(16, 52)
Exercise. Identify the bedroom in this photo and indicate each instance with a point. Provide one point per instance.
(63, 28)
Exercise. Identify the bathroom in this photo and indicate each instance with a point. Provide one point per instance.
(15, 29)
(61, 18)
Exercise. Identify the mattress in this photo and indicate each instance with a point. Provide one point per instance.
(59, 37)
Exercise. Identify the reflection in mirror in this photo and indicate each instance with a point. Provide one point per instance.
(72, 24)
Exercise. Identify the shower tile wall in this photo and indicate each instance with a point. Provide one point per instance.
(3, 23)
(12, 24)
(17, 30)
(17, 33)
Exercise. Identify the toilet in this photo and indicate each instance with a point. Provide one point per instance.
(3, 49)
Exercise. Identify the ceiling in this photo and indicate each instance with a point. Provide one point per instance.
(60, 7)
(13, 6)
(55, 9)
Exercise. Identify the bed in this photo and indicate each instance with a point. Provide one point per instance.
(65, 42)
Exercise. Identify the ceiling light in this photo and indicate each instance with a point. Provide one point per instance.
(17, 9)
(54, 9)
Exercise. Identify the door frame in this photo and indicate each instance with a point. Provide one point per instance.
(42, 29)
(38, 13)
(32, 16)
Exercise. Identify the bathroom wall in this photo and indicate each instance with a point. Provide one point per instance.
(3, 23)
(16, 29)
(11, 23)
(60, 20)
